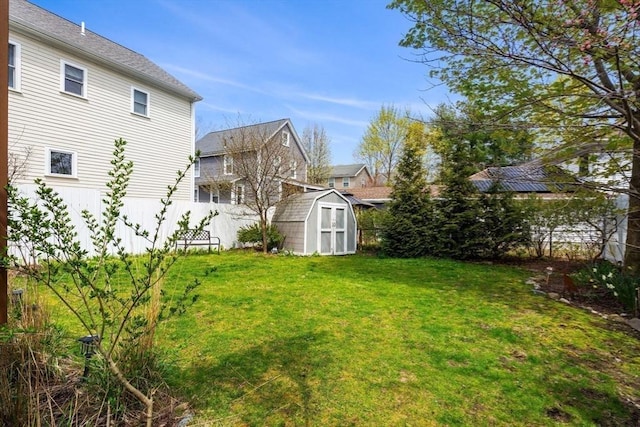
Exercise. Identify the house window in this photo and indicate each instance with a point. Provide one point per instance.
(345, 182)
(139, 102)
(332, 182)
(363, 183)
(285, 139)
(74, 79)
(293, 166)
(196, 194)
(215, 197)
(14, 66)
(278, 165)
(227, 164)
(61, 163)
(196, 168)
(239, 196)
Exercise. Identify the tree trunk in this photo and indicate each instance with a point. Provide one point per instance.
(263, 225)
(632, 250)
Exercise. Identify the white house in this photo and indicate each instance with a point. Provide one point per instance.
(73, 92)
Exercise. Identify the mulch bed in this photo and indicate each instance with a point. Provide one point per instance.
(601, 302)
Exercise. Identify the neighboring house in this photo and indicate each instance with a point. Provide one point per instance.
(349, 176)
(357, 204)
(73, 92)
(528, 178)
(219, 180)
(377, 196)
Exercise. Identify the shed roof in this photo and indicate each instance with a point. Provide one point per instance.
(298, 206)
(31, 19)
(527, 178)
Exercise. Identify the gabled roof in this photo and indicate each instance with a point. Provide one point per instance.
(298, 206)
(212, 144)
(341, 171)
(52, 29)
(530, 177)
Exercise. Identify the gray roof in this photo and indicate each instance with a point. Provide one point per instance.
(31, 19)
(298, 206)
(527, 178)
(212, 144)
(340, 171)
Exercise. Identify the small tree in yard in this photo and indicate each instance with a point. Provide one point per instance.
(407, 229)
(115, 298)
(262, 162)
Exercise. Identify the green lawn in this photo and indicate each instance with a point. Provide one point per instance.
(357, 340)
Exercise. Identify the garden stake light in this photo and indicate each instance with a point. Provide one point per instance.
(88, 348)
(16, 297)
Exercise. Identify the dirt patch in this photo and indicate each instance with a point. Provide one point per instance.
(558, 414)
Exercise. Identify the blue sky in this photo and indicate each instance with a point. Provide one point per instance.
(330, 62)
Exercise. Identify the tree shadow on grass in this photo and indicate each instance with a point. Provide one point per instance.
(269, 383)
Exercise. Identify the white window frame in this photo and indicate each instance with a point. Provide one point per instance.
(215, 194)
(347, 181)
(63, 78)
(293, 166)
(227, 164)
(196, 168)
(238, 194)
(285, 138)
(133, 102)
(17, 66)
(74, 163)
(332, 182)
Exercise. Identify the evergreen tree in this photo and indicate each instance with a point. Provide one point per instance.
(459, 219)
(407, 229)
(505, 223)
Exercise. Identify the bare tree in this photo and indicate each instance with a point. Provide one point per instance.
(316, 143)
(202, 127)
(262, 161)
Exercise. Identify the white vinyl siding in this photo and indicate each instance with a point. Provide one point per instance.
(140, 102)
(39, 115)
(73, 79)
(14, 66)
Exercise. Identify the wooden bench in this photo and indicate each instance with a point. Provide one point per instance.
(197, 238)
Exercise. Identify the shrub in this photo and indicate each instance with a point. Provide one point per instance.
(253, 234)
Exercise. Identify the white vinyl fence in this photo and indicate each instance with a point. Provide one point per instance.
(143, 211)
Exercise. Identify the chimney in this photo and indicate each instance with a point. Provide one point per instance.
(82, 28)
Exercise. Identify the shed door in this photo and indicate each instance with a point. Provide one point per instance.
(333, 238)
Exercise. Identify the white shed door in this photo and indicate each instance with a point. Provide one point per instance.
(333, 239)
